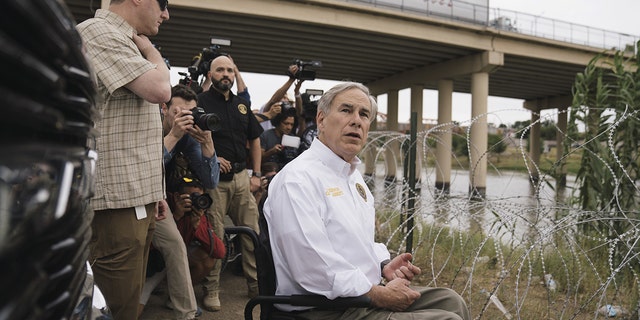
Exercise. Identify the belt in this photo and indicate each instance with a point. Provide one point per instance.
(238, 166)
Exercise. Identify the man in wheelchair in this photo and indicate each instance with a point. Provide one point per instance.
(321, 220)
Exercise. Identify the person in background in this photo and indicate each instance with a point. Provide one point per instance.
(299, 124)
(308, 118)
(189, 204)
(328, 248)
(269, 169)
(275, 109)
(233, 197)
(278, 97)
(271, 140)
(242, 90)
(187, 148)
(132, 79)
(182, 136)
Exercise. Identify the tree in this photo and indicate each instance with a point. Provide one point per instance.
(497, 145)
(459, 145)
(520, 126)
(548, 130)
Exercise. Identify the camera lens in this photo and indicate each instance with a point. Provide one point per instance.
(211, 121)
(201, 201)
(205, 121)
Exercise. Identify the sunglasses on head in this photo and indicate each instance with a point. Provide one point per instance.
(163, 4)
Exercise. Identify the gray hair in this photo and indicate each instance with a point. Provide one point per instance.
(324, 104)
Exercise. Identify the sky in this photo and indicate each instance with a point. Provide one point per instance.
(612, 15)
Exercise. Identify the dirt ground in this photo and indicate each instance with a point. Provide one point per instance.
(233, 297)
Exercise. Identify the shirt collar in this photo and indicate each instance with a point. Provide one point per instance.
(332, 160)
(218, 95)
(117, 21)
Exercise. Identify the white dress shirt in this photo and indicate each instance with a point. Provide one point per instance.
(321, 223)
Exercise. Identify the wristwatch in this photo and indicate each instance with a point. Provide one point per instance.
(382, 265)
(257, 174)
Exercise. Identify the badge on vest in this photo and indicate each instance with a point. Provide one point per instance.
(242, 108)
(361, 191)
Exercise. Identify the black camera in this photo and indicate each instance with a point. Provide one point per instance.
(205, 121)
(200, 201)
(201, 63)
(306, 69)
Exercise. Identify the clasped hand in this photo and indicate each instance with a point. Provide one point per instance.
(401, 267)
(396, 295)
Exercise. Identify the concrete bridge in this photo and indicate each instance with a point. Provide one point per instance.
(389, 48)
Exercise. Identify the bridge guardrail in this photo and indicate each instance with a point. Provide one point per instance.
(513, 21)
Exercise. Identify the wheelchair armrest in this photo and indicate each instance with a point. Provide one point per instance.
(243, 230)
(324, 303)
(317, 301)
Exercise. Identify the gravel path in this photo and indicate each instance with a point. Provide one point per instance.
(233, 298)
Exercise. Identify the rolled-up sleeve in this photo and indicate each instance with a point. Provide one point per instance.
(206, 169)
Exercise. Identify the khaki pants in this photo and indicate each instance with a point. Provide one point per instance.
(434, 304)
(119, 249)
(234, 198)
(169, 242)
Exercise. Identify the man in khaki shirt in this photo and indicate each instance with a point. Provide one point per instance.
(132, 79)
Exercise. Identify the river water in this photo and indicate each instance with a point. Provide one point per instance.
(514, 209)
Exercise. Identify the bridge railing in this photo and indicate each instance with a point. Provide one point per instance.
(513, 21)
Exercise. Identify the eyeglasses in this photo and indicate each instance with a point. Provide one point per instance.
(163, 4)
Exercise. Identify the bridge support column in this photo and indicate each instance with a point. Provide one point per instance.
(443, 145)
(561, 173)
(374, 124)
(370, 165)
(535, 144)
(369, 160)
(370, 154)
(392, 150)
(479, 134)
(417, 92)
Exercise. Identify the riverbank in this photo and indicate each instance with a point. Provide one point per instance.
(514, 160)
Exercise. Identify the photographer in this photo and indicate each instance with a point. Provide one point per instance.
(182, 136)
(187, 148)
(279, 96)
(189, 204)
(271, 140)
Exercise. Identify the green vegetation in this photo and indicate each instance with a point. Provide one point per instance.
(472, 262)
(607, 101)
(497, 145)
